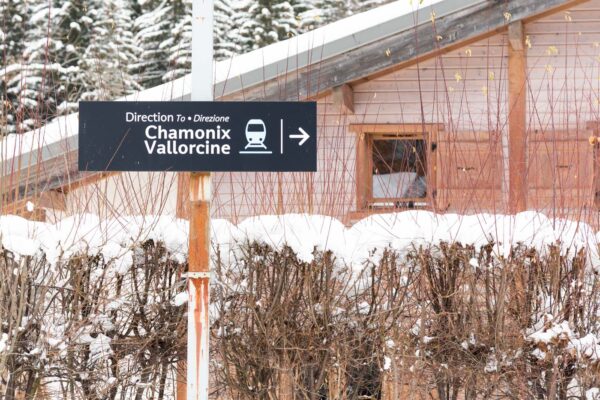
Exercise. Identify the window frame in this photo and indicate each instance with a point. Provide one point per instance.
(366, 134)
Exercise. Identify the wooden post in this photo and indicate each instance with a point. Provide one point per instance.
(200, 196)
(182, 208)
(343, 97)
(198, 286)
(517, 118)
(364, 189)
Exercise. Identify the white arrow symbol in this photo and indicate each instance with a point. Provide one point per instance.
(303, 135)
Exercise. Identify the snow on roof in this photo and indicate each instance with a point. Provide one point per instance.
(59, 136)
(252, 68)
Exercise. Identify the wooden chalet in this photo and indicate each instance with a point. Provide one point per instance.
(462, 106)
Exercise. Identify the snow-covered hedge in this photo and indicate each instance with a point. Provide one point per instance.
(85, 326)
(480, 305)
(303, 233)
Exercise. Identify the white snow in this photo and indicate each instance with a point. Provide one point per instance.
(387, 363)
(100, 347)
(353, 246)
(547, 331)
(180, 299)
(403, 231)
(301, 232)
(87, 233)
(551, 332)
(492, 364)
(312, 41)
(592, 394)
(554, 333)
(587, 347)
(3, 342)
(539, 354)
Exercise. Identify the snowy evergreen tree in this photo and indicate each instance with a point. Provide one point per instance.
(178, 42)
(364, 5)
(164, 36)
(14, 17)
(104, 69)
(151, 28)
(74, 24)
(266, 22)
(36, 84)
(45, 79)
(226, 33)
(323, 12)
(55, 52)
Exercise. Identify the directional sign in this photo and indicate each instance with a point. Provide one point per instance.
(197, 136)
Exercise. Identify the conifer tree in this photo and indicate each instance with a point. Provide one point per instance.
(268, 21)
(104, 68)
(36, 84)
(178, 43)
(322, 12)
(151, 28)
(74, 21)
(14, 17)
(226, 31)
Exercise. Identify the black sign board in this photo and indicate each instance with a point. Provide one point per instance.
(197, 136)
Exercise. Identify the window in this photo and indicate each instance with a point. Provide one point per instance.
(395, 166)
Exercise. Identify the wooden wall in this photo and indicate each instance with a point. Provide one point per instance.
(132, 193)
(466, 90)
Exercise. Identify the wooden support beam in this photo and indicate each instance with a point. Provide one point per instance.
(517, 119)
(51, 199)
(516, 35)
(343, 96)
(594, 140)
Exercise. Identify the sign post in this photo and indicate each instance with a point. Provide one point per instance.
(200, 197)
(199, 135)
(198, 286)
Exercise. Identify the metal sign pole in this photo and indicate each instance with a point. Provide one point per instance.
(200, 196)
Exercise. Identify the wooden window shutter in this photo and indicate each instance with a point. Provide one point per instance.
(561, 171)
(469, 172)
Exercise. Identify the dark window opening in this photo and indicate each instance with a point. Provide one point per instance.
(399, 170)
